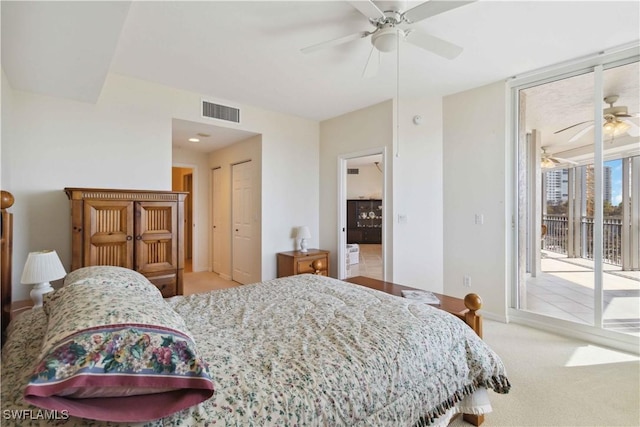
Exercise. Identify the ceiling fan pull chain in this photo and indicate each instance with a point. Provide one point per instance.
(398, 94)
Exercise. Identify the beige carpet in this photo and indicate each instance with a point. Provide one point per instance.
(559, 381)
(556, 381)
(204, 282)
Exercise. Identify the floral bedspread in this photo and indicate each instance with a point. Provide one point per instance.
(301, 351)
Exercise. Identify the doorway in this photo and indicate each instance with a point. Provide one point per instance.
(361, 251)
(182, 180)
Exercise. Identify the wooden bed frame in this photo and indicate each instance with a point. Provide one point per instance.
(6, 256)
(466, 309)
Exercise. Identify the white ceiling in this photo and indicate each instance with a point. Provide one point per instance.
(249, 52)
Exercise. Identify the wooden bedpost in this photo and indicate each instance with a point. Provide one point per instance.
(6, 257)
(473, 302)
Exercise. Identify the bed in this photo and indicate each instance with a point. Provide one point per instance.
(107, 349)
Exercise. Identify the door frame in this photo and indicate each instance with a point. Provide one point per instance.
(212, 234)
(342, 207)
(195, 236)
(595, 64)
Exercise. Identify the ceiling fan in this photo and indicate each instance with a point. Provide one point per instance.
(548, 161)
(615, 121)
(393, 26)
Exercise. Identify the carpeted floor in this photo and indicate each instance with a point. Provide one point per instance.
(559, 381)
(204, 282)
(556, 381)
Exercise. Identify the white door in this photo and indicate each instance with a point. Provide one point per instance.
(216, 197)
(242, 222)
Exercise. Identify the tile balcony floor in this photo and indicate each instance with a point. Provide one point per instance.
(565, 290)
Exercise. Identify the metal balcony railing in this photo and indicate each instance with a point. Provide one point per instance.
(557, 238)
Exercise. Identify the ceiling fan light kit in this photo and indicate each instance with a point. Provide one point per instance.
(546, 163)
(616, 121)
(386, 39)
(614, 127)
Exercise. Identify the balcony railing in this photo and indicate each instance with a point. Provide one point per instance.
(557, 238)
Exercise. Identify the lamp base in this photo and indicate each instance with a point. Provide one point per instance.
(39, 289)
(303, 245)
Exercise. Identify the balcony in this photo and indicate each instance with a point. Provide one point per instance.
(565, 287)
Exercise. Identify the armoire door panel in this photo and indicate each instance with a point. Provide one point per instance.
(108, 233)
(156, 247)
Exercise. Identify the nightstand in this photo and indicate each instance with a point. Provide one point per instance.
(314, 261)
(18, 307)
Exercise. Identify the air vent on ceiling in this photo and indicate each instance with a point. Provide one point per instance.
(353, 171)
(221, 112)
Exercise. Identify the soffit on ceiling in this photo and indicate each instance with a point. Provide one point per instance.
(61, 49)
(211, 137)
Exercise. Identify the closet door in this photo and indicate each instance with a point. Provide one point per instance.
(108, 233)
(156, 237)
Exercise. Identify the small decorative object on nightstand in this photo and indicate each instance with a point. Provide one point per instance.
(41, 267)
(303, 234)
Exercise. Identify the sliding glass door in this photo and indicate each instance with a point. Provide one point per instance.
(578, 220)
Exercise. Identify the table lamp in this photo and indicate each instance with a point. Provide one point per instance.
(40, 268)
(303, 235)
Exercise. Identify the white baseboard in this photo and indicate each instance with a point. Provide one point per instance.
(619, 341)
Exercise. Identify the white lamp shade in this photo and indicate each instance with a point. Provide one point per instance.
(303, 232)
(41, 267)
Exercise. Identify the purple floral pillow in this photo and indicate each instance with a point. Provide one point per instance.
(116, 351)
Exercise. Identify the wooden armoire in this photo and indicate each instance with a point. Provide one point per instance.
(136, 229)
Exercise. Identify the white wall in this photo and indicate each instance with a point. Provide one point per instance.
(366, 184)
(60, 143)
(124, 141)
(5, 129)
(417, 195)
(290, 183)
(474, 183)
(414, 184)
(354, 132)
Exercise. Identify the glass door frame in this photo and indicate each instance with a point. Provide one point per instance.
(595, 64)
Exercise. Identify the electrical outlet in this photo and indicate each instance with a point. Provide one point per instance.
(466, 281)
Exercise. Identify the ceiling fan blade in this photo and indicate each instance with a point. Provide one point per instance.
(431, 8)
(335, 42)
(367, 8)
(434, 44)
(572, 126)
(561, 160)
(634, 130)
(579, 134)
(373, 63)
